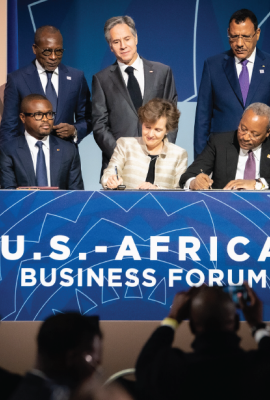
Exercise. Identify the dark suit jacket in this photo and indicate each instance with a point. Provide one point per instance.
(73, 100)
(16, 165)
(220, 104)
(8, 383)
(220, 156)
(217, 369)
(33, 387)
(114, 114)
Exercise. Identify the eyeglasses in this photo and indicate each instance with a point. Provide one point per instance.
(48, 52)
(39, 115)
(244, 131)
(234, 38)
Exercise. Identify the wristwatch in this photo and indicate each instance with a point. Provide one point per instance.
(259, 185)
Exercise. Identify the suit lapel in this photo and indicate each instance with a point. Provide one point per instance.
(256, 77)
(119, 82)
(56, 151)
(230, 71)
(26, 160)
(232, 158)
(32, 79)
(63, 91)
(149, 78)
(265, 160)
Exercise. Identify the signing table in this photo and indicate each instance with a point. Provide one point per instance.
(123, 255)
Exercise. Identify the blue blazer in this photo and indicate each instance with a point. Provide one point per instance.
(220, 104)
(17, 169)
(73, 100)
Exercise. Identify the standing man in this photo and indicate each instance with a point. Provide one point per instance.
(120, 89)
(35, 158)
(231, 81)
(65, 87)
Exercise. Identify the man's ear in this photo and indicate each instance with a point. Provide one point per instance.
(22, 117)
(268, 132)
(34, 48)
(136, 40)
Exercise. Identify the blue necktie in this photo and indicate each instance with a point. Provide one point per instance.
(41, 171)
(50, 91)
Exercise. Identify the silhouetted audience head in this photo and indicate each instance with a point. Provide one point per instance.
(69, 348)
(212, 309)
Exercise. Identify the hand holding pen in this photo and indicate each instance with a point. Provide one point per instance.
(114, 181)
(201, 182)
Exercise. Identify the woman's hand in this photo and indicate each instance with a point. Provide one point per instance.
(146, 186)
(113, 182)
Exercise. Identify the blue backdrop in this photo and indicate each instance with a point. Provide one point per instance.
(179, 33)
(91, 219)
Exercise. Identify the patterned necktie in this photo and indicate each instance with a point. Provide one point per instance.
(250, 168)
(50, 91)
(244, 80)
(134, 88)
(41, 171)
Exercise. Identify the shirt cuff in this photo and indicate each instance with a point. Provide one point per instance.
(75, 136)
(260, 333)
(266, 186)
(170, 322)
(187, 184)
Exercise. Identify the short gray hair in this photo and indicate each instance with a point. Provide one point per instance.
(260, 109)
(110, 23)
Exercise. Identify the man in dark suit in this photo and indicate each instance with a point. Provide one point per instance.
(69, 352)
(65, 87)
(218, 367)
(37, 158)
(238, 159)
(231, 81)
(120, 89)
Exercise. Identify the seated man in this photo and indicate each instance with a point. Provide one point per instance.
(69, 352)
(36, 158)
(238, 159)
(218, 367)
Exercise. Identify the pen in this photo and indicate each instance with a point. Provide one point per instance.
(116, 172)
(210, 186)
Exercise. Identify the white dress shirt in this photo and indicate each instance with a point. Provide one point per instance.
(43, 77)
(31, 141)
(241, 164)
(250, 64)
(138, 72)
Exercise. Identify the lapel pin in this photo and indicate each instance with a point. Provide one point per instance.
(69, 78)
(59, 150)
(268, 155)
(261, 71)
(263, 66)
(151, 71)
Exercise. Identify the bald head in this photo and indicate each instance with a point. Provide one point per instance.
(212, 310)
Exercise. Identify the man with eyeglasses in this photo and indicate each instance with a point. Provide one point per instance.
(231, 81)
(235, 160)
(37, 158)
(65, 87)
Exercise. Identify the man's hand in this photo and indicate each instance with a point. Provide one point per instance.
(64, 130)
(241, 184)
(254, 311)
(181, 304)
(146, 186)
(113, 182)
(201, 182)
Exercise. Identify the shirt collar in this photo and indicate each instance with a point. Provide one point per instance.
(32, 141)
(256, 151)
(41, 70)
(138, 64)
(251, 58)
